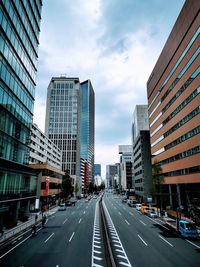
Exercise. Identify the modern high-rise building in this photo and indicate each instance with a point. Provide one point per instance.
(126, 159)
(97, 169)
(142, 171)
(174, 110)
(87, 132)
(111, 173)
(62, 123)
(19, 39)
(70, 125)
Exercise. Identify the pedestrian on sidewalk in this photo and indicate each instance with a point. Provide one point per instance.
(43, 221)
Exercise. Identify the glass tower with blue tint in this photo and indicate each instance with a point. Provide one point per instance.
(19, 33)
(87, 132)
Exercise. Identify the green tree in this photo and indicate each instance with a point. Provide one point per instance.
(67, 188)
(157, 181)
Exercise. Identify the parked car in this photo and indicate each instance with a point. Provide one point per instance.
(152, 213)
(62, 207)
(138, 206)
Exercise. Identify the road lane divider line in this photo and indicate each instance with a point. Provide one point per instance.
(96, 240)
(65, 220)
(127, 222)
(165, 240)
(49, 237)
(142, 240)
(71, 237)
(112, 230)
(119, 213)
(80, 221)
(192, 243)
(142, 222)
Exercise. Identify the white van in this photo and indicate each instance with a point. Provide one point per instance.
(138, 206)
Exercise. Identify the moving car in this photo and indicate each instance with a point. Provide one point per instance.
(62, 207)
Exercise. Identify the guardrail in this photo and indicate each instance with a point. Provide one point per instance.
(106, 239)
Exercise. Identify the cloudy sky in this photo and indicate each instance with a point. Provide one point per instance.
(115, 44)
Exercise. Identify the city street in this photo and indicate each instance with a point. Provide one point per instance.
(146, 241)
(73, 238)
(66, 240)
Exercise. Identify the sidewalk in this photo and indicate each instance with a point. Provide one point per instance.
(10, 233)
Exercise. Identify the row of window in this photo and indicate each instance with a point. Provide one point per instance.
(176, 65)
(178, 109)
(61, 86)
(182, 105)
(187, 153)
(18, 68)
(187, 118)
(13, 127)
(194, 56)
(15, 183)
(184, 137)
(192, 170)
(13, 150)
(8, 28)
(6, 74)
(14, 106)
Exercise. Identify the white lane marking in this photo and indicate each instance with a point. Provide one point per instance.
(119, 213)
(98, 252)
(80, 220)
(158, 223)
(97, 258)
(165, 240)
(97, 246)
(192, 243)
(65, 220)
(84, 212)
(127, 222)
(113, 229)
(14, 247)
(71, 237)
(142, 240)
(142, 222)
(123, 263)
(49, 237)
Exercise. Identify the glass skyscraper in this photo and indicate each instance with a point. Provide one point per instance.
(19, 33)
(87, 132)
(62, 123)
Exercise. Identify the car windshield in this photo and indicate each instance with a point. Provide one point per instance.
(190, 226)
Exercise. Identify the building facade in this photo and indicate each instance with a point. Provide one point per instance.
(87, 132)
(126, 159)
(141, 171)
(62, 122)
(174, 111)
(111, 174)
(45, 158)
(20, 27)
(97, 169)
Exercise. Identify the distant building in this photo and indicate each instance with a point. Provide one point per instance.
(97, 169)
(111, 172)
(125, 179)
(20, 27)
(87, 132)
(174, 112)
(45, 157)
(142, 171)
(63, 122)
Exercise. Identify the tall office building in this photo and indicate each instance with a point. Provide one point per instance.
(142, 171)
(87, 131)
(174, 110)
(20, 27)
(97, 169)
(62, 123)
(111, 172)
(126, 159)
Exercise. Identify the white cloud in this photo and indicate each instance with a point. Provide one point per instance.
(114, 45)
